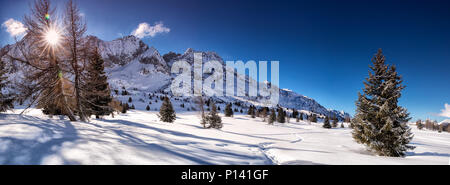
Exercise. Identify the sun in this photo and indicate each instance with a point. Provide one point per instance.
(52, 37)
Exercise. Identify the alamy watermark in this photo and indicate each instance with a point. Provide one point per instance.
(191, 82)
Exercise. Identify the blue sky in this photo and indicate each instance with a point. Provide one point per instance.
(324, 47)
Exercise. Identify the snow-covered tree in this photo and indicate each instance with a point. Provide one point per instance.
(213, 119)
(380, 123)
(166, 112)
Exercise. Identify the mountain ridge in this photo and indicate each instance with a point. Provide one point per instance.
(131, 63)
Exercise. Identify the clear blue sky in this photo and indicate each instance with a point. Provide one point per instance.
(324, 47)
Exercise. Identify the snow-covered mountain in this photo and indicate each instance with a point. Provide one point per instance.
(132, 64)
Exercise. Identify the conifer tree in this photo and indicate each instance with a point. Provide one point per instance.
(326, 123)
(264, 113)
(96, 91)
(272, 117)
(6, 99)
(419, 124)
(313, 118)
(380, 123)
(281, 118)
(228, 110)
(125, 108)
(335, 122)
(166, 112)
(213, 119)
(147, 108)
(301, 116)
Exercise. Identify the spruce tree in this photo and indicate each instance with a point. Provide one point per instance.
(335, 122)
(6, 100)
(272, 117)
(97, 94)
(264, 113)
(281, 118)
(380, 123)
(213, 119)
(326, 123)
(147, 108)
(166, 112)
(228, 110)
(419, 124)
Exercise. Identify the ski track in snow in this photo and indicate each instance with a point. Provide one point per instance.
(139, 138)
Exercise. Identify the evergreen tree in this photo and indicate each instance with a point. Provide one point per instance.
(130, 100)
(6, 100)
(147, 108)
(228, 110)
(281, 118)
(96, 92)
(326, 123)
(313, 118)
(301, 116)
(264, 113)
(380, 123)
(166, 112)
(213, 119)
(335, 122)
(419, 124)
(272, 117)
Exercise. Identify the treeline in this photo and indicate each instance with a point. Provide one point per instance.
(432, 125)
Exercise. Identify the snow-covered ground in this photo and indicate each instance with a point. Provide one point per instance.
(138, 137)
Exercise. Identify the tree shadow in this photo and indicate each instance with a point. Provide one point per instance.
(32, 151)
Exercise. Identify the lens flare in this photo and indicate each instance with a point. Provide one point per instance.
(52, 37)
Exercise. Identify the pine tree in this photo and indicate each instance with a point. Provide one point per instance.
(264, 113)
(130, 100)
(272, 117)
(147, 108)
(301, 116)
(166, 112)
(96, 91)
(125, 108)
(335, 122)
(281, 118)
(326, 123)
(6, 100)
(213, 119)
(313, 118)
(380, 123)
(228, 110)
(419, 124)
